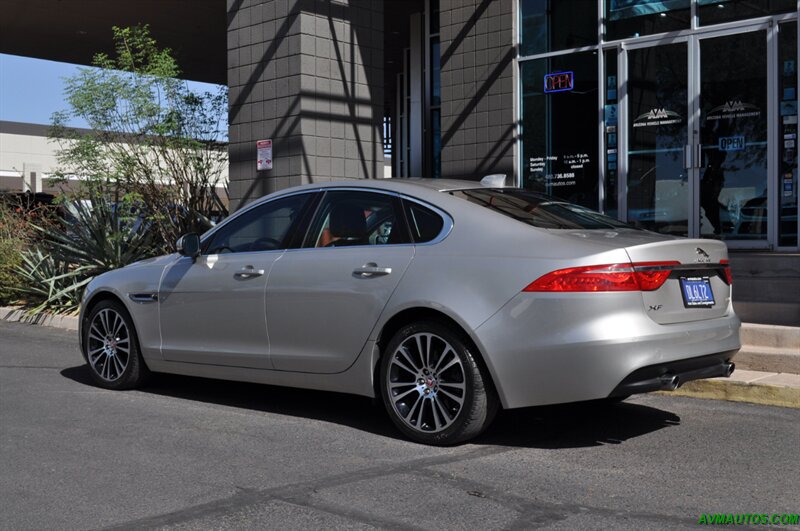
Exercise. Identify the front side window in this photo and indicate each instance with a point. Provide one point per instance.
(538, 210)
(263, 228)
(347, 218)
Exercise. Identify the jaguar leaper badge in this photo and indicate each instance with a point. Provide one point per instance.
(702, 256)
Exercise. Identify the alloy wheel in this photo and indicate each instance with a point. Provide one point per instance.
(426, 383)
(109, 345)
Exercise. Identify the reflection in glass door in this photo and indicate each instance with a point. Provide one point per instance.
(733, 136)
(658, 187)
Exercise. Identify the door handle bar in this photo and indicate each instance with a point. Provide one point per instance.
(368, 271)
(249, 272)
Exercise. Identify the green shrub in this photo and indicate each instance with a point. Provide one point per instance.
(10, 259)
(16, 235)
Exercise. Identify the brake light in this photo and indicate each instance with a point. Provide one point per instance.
(641, 276)
(727, 270)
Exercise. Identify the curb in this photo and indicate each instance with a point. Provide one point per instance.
(17, 315)
(733, 391)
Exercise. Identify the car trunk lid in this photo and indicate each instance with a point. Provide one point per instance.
(697, 287)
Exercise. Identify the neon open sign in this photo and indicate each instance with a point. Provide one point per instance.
(558, 82)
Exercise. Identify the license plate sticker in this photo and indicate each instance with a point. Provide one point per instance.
(697, 292)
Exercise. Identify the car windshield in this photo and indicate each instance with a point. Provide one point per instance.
(538, 210)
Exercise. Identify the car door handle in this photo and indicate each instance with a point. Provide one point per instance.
(249, 272)
(371, 270)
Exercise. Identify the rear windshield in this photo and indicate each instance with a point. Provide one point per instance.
(538, 210)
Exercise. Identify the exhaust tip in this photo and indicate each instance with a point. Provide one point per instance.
(729, 368)
(670, 383)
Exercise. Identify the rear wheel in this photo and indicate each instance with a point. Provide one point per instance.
(434, 389)
(111, 348)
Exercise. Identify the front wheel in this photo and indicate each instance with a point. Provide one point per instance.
(111, 348)
(434, 389)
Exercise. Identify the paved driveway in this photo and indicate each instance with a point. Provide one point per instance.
(190, 453)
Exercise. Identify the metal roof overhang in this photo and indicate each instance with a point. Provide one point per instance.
(72, 31)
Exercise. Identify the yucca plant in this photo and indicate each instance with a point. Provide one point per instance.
(48, 283)
(98, 235)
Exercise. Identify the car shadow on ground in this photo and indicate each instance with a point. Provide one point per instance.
(576, 425)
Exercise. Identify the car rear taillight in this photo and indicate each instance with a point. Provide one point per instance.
(727, 270)
(641, 276)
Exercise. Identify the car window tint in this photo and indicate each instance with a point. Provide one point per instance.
(264, 228)
(346, 218)
(539, 210)
(425, 224)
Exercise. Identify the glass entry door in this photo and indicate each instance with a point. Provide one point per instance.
(657, 116)
(733, 126)
(696, 122)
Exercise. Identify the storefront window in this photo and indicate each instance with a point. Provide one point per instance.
(559, 145)
(549, 25)
(633, 18)
(787, 139)
(716, 11)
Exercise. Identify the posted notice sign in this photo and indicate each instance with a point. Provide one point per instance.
(264, 155)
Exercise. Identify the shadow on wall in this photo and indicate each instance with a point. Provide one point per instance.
(499, 144)
(304, 105)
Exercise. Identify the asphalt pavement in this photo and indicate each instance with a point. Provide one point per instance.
(190, 453)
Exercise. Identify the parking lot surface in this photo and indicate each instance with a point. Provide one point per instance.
(189, 453)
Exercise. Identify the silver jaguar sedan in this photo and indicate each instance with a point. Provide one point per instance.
(445, 299)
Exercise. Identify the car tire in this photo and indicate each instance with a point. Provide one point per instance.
(111, 348)
(434, 389)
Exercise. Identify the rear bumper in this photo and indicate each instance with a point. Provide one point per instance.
(585, 346)
(670, 376)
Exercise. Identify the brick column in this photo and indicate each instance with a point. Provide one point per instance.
(477, 57)
(309, 75)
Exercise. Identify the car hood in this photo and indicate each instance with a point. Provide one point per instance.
(155, 261)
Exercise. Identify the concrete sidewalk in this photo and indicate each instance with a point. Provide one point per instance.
(768, 366)
(767, 369)
(755, 387)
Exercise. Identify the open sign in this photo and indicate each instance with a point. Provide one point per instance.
(731, 143)
(558, 82)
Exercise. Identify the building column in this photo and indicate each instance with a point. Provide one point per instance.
(307, 74)
(477, 81)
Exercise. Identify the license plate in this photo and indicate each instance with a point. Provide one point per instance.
(697, 292)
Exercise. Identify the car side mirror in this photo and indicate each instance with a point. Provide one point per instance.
(189, 245)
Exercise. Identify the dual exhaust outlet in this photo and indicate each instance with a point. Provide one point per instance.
(670, 382)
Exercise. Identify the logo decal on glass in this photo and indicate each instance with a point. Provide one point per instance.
(657, 117)
(733, 109)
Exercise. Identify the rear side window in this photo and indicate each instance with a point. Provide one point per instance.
(425, 224)
(348, 218)
(539, 210)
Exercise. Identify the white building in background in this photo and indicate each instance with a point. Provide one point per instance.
(28, 159)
